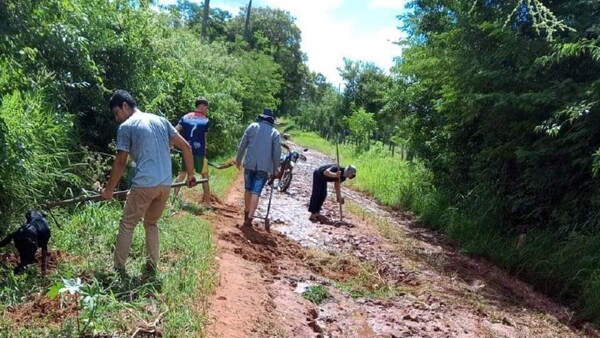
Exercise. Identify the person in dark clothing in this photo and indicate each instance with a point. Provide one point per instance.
(322, 175)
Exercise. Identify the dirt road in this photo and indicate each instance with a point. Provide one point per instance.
(384, 276)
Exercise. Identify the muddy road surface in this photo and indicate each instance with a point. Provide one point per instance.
(378, 275)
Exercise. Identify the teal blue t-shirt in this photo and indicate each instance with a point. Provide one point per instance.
(146, 138)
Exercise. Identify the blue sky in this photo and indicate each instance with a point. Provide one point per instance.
(360, 30)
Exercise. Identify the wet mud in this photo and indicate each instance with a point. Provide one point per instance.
(384, 275)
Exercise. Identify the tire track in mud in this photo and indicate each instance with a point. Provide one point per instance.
(408, 283)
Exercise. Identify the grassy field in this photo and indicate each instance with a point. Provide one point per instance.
(83, 296)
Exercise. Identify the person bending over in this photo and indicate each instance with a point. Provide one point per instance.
(321, 176)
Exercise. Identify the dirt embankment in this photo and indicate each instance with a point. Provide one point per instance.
(383, 276)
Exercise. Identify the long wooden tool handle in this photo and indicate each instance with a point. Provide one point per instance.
(337, 158)
(76, 200)
(225, 165)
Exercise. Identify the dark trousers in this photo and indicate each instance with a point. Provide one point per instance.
(319, 192)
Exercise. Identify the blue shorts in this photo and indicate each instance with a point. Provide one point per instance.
(254, 180)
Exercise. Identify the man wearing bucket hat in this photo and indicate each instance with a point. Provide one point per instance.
(260, 149)
(322, 175)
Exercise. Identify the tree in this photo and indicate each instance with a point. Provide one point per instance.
(62, 62)
(481, 92)
(361, 124)
(367, 86)
(205, 9)
(274, 33)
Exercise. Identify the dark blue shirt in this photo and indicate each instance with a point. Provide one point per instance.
(194, 128)
(334, 169)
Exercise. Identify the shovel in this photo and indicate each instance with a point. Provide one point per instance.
(337, 158)
(341, 221)
(225, 165)
(266, 218)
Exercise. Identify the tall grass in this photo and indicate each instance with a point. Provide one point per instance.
(35, 148)
(392, 181)
(220, 179)
(564, 267)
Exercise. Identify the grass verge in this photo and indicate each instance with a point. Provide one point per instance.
(82, 296)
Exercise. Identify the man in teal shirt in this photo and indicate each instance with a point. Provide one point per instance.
(147, 139)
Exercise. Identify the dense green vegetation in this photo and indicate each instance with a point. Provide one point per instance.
(316, 294)
(60, 61)
(488, 126)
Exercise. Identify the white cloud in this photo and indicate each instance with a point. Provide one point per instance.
(387, 4)
(378, 47)
(327, 39)
(324, 40)
(305, 7)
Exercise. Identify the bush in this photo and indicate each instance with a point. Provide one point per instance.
(35, 148)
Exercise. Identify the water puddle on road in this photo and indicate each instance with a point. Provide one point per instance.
(288, 219)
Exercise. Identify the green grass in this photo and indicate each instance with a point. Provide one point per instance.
(316, 294)
(220, 179)
(105, 302)
(368, 283)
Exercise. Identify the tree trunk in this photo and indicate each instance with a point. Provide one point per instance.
(247, 23)
(205, 18)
